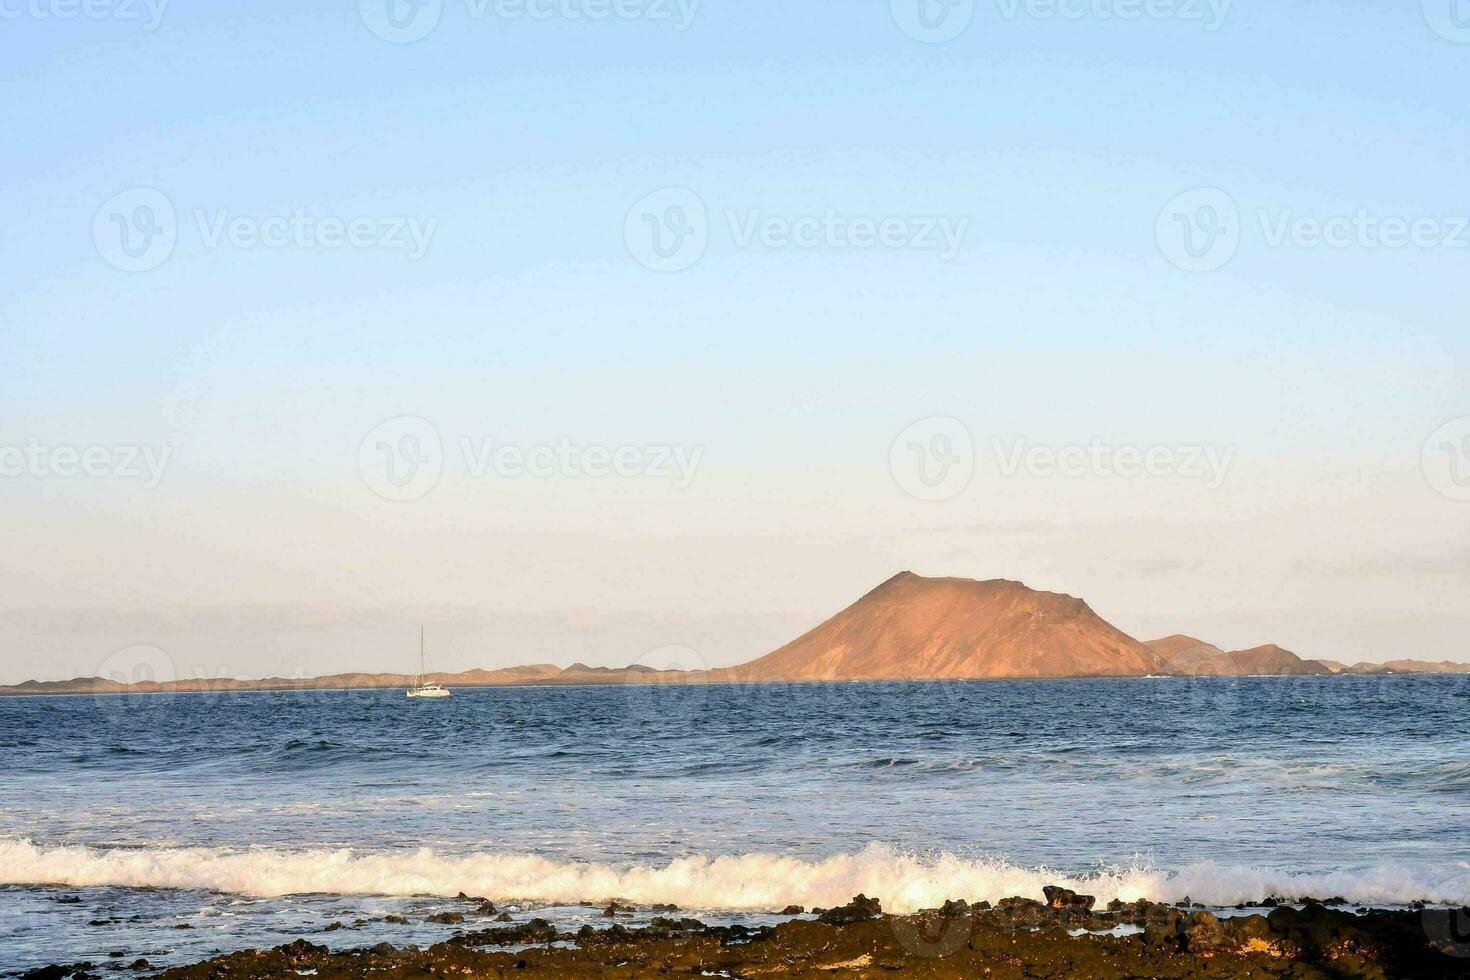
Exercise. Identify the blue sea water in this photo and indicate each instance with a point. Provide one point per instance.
(253, 818)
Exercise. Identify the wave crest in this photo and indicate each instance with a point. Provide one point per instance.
(903, 882)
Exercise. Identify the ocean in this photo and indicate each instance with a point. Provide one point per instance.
(173, 827)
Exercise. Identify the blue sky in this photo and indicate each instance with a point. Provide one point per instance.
(1059, 320)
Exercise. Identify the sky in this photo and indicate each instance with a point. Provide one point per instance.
(640, 330)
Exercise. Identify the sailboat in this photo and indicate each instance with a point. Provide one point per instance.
(420, 689)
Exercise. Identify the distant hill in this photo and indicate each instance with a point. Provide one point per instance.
(1272, 659)
(1187, 655)
(1411, 667)
(908, 628)
(532, 673)
(912, 627)
(502, 677)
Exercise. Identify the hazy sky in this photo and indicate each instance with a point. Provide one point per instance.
(768, 300)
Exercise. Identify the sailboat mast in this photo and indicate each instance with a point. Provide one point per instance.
(421, 656)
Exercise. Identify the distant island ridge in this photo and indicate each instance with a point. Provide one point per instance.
(908, 628)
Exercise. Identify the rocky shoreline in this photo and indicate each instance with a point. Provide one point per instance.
(1064, 936)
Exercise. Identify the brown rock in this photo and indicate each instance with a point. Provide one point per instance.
(860, 909)
(1244, 928)
(1162, 926)
(1202, 931)
(1064, 898)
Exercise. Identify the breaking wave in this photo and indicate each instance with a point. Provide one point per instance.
(903, 882)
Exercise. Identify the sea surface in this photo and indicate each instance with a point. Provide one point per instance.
(173, 827)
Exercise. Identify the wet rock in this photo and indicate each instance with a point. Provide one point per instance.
(675, 925)
(738, 935)
(1162, 926)
(53, 972)
(1316, 928)
(1022, 913)
(300, 949)
(396, 920)
(1245, 928)
(535, 931)
(1064, 898)
(953, 910)
(1282, 918)
(1202, 932)
(616, 908)
(486, 907)
(860, 909)
(615, 934)
(503, 917)
(383, 949)
(462, 897)
(446, 918)
(70, 900)
(1131, 913)
(663, 908)
(1182, 945)
(794, 910)
(140, 964)
(333, 927)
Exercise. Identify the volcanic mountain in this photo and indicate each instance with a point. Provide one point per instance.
(912, 627)
(1186, 655)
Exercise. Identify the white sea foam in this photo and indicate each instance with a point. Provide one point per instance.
(903, 882)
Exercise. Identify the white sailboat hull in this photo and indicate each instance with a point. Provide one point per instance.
(420, 689)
